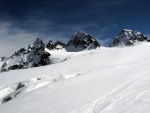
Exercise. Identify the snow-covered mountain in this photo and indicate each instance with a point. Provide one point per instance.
(37, 54)
(33, 55)
(127, 38)
(105, 80)
(81, 41)
(102, 80)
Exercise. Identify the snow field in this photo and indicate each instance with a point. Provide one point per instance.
(106, 80)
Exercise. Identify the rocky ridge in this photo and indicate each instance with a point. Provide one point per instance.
(128, 37)
(81, 41)
(33, 55)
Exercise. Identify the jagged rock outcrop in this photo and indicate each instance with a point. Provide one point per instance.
(3, 59)
(50, 45)
(148, 40)
(33, 55)
(58, 45)
(127, 38)
(81, 41)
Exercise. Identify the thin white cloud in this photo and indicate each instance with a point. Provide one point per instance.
(12, 37)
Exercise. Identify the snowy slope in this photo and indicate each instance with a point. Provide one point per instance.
(106, 80)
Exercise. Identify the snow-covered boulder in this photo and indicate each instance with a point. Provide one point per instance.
(33, 55)
(127, 38)
(81, 41)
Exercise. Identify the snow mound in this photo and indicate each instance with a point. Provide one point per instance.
(12, 91)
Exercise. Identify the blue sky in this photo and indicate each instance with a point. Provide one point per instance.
(22, 21)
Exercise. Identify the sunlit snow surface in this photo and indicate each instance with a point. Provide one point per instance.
(106, 80)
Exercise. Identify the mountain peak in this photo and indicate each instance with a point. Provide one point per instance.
(33, 55)
(58, 45)
(126, 30)
(128, 37)
(80, 33)
(50, 45)
(81, 41)
(38, 43)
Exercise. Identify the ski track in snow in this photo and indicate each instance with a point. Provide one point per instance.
(106, 103)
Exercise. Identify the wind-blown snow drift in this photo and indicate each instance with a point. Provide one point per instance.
(106, 80)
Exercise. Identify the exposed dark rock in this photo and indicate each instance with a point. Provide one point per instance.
(6, 99)
(59, 45)
(44, 59)
(3, 59)
(127, 38)
(33, 55)
(4, 70)
(81, 41)
(148, 40)
(20, 86)
(50, 45)
(13, 67)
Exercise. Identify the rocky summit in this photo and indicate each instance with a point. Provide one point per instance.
(81, 41)
(36, 54)
(127, 38)
(59, 45)
(33, 55)
(50, 45)
(56, 46)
